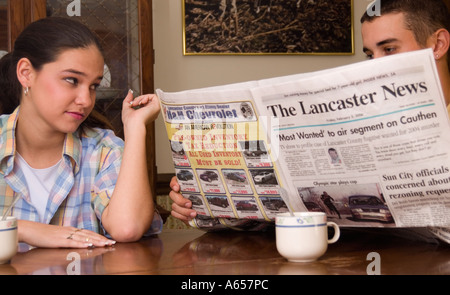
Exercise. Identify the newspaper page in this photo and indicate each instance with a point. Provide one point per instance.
(222, 157)
(366, 143)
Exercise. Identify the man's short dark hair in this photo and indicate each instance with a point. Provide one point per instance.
(422, 17)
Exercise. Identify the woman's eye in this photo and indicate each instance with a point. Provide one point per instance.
(73, 81)
(94, 86)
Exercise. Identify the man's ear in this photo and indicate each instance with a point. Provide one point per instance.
(25, 72)
(441, 43)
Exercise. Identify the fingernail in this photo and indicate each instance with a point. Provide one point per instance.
(131, 91)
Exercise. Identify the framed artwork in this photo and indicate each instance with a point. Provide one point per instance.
(268, 27)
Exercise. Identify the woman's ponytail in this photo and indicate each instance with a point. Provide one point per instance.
(10, 88)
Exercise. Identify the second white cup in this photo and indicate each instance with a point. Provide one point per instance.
(303, 236)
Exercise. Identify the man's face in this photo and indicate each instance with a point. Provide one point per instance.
(333, 154)
(387, 35)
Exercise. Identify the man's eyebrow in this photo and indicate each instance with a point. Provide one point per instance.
(381, 43)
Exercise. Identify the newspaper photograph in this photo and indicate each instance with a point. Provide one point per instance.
(365, 143)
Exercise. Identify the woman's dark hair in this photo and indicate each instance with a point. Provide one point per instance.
(42, 42)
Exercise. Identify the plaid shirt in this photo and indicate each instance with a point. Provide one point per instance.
(86, 179)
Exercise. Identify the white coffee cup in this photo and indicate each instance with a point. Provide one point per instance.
(303, 236)
(8, 239)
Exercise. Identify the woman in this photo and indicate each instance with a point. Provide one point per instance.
(75, 184)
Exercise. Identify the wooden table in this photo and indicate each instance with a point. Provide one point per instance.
(189, 252)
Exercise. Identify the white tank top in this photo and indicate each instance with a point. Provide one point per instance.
(40, 183)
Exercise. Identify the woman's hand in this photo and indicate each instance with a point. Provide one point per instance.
(143, 109)
(52, 236)
(181, 206)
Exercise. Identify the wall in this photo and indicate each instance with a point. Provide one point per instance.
(175, 72)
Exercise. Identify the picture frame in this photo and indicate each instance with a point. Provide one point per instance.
(268, 27)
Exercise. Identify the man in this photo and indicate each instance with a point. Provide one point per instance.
(403, 25)
(407, 25)
(328, 201)
(334, 156)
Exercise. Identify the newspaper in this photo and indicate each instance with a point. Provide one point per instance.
(366, 143)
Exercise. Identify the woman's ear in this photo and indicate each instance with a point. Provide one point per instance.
(25, 72)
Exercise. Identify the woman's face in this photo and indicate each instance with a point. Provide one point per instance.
(63, 92)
